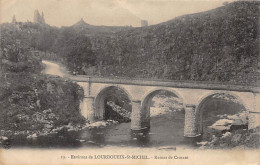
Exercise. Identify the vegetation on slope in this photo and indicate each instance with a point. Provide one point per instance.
(217, 45)
(30, 102)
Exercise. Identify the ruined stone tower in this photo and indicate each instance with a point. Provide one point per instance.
(43, 20)
(38, 18)
(14, 20)
(144, 23)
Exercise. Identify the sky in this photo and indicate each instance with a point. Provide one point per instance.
(103, 12)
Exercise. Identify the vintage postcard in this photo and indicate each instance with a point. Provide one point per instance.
(139, 82)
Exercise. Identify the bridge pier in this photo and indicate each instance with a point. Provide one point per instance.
(253, 120)
(190, 126)
(87, 108)
(254, 114)
(136, 115)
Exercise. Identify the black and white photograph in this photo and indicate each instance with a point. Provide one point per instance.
(123, 82)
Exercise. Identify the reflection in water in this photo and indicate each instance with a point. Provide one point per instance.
(192, 141)
(166, 130)
(93, 137)
(141, 137)
(65, 139)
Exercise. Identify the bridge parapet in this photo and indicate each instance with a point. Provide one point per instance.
(168, 83)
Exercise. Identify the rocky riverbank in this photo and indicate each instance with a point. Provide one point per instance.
(37, 105)
(162, 104)
(117, 113)
(10, 135)
(241, 138)
(231, 131)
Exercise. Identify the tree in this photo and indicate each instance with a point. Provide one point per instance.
(76, 49)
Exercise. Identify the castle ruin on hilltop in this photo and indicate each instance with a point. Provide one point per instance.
(14, 20)
(38, 18)
(144, 23)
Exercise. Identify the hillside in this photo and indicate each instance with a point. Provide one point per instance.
(82, 26)
(218, 45)
(31, 103)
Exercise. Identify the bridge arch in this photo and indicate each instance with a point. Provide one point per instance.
(147, 102)
(99, 102)
(205, 98)
(153, 92)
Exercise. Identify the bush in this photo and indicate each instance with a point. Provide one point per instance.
(34, 102)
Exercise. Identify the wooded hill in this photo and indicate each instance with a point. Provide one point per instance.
(218, 45)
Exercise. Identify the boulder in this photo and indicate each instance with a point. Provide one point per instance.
(203, 143)
(33, 136)
(3, 138)
(238, 122)
(58, 129)
(243, 117)
(222, 124)
(236, 138)
(220, 127)
(227, 134)
(214, 140)
(233, 117)
(48, 126)
(97, 124)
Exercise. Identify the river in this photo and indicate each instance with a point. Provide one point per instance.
(166, 129)
(52, 68)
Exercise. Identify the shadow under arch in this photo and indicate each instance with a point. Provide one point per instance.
(99, 102)
(147, 102)
(206, 98)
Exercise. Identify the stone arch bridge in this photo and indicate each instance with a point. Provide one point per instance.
(141, 91)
